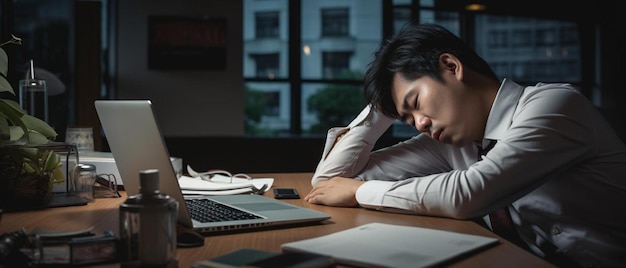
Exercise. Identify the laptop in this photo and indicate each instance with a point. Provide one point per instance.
(136, 142)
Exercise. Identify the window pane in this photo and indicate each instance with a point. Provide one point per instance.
(267, 108)
(329, 105)
(336, 64)
(401, 16)
(266, 65)
(46, 29)
(529, 50)
(449, 20)
(265, 39)
(266, 24)
(335, 21)
(339, 37)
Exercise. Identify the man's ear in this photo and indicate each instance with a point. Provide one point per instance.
(451, 64)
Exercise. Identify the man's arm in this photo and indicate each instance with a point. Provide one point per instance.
(347, 149)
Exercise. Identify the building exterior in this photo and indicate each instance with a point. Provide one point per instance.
(339, 37)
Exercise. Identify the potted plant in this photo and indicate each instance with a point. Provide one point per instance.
(28, 168)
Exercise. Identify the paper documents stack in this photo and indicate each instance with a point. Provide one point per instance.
(222, 185)
(387, 245)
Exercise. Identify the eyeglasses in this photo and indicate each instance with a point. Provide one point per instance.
(105, 186)
(218, 175)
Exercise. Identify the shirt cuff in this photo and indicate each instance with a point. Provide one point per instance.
(372, 122)
(371, 193)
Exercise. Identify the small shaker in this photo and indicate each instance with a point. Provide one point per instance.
(148, 225)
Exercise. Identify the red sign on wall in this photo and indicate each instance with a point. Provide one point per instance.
(191, 43)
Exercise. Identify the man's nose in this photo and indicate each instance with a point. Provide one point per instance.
(422, 123)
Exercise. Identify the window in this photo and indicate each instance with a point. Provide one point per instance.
(535, 54)
(546, 37)
(401, 15)
(307, 85)
(546, 70)
(569, 35)
(267, 109)
(522, 38)
(522, 71)
(272, 103)
(335, 22)
(266, 24)
(498, 39)
(335, 64)
(266, 65)
(500, 67)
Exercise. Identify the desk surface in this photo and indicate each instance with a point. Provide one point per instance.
(103, 215)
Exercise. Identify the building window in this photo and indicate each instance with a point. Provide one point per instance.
(401, 16)
(266, 24)
(546, 37)
(498, 39)
(569, 36)
(266, 65)
(500, 68)
(322, 63)
(522, 71)
(335, 22)
(335, 64)
(521, 38)
(546, 71)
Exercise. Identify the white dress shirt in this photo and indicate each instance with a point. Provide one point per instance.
(557, 164)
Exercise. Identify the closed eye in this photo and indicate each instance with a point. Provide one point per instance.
(407, 118)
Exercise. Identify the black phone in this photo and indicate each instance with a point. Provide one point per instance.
(286, 193)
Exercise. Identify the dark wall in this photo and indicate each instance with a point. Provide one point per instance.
(247, 155)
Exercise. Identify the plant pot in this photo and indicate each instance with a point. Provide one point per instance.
(19, 188)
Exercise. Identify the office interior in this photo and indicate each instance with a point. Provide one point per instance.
(100, 49)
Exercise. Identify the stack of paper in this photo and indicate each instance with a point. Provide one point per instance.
(386, 245)
(221, 185)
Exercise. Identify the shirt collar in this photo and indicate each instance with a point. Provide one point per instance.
(501, 114)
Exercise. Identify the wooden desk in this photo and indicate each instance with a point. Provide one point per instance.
(103, 215)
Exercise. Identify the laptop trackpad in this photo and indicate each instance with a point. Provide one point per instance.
(264, 206)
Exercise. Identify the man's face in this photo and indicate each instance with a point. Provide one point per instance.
(447, 112)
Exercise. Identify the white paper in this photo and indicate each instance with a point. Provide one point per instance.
(387, 245)
(221, 185)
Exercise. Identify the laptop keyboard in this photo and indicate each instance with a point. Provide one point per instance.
(206, 210)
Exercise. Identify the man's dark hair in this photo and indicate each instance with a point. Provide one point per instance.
(414, 52)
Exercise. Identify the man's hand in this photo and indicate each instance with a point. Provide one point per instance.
(337, 192)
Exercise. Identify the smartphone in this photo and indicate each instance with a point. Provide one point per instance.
(286, 193)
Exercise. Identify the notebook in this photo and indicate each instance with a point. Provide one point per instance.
(388, 245)
(136, 142)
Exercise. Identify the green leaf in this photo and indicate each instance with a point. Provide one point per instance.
(16, 133)
(28, 123)
(35, 138)
(5, 132)
(30, 153)
(31, 162)
(5, 86)
(11, 109)
(51, 160)
(4, 62)
(57, 176)
(35, 124)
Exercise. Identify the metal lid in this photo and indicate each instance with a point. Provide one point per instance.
(86, 167)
